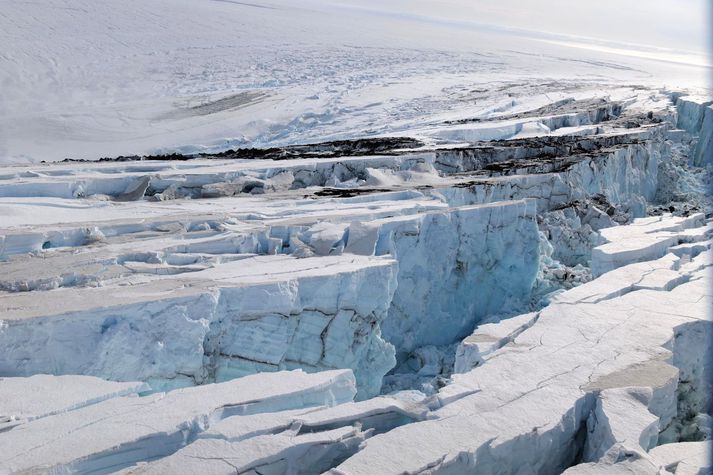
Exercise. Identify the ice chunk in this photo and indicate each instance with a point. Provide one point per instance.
(684, 458)
(456, 267)
(646, 239)
(285, 452)
(619, 425)
(489, 337)
(123, 431)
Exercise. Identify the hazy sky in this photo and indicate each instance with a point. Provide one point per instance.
(675, 24)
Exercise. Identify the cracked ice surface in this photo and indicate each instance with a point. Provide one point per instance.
(646, 240)
(534, 393)
(26, 399)
(575, 323)
(541, 391)
(120, 432)
(307, 441)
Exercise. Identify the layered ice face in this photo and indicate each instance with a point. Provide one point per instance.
(212, 327)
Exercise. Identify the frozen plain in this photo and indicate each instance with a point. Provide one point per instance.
(482, 259)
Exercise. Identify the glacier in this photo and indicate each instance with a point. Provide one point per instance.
(336, 238)
(352, 303)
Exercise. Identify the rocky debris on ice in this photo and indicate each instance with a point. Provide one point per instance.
(120, 432)
(626, 175)
(635, 148)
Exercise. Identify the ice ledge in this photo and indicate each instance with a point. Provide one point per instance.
(120, 432)
(26, 399)
(647, 239)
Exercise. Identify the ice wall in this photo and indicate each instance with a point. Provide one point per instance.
(457, 267)
(695, 116)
